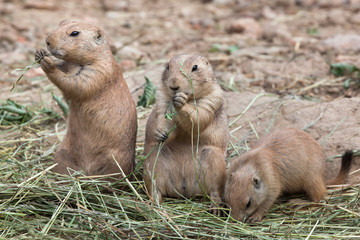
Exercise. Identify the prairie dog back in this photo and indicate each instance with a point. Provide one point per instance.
(285, 161)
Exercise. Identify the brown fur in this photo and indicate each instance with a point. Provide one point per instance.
(285, 161)
(177, 172)
(102, 121)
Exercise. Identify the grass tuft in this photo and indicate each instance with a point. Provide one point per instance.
(37, 203)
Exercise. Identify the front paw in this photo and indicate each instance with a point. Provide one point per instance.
(215, 209)
(161, 135)
(179, 100)
(254, 218)
(47, 64)
(40, 54)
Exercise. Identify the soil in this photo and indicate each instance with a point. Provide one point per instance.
(280, 47)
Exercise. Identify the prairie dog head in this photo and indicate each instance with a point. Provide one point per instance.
(77, 42)
(245, 190)
(190, 74)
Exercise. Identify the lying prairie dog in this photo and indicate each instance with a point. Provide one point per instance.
(285, 161)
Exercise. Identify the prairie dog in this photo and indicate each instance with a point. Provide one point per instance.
(102, 122)
(285, 161)
(191, 161)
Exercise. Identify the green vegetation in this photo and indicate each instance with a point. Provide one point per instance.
(11, 112)
(348, 70)
(223, 48)
(36, 203)
(312, 31)
(149, 95)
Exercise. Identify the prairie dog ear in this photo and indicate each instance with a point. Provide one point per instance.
(99, 37)
(256, 182)
(206, 61)
(65, 22)
(231, 176)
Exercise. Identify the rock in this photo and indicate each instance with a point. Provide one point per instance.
(272, 33)
(349, 59)
(274, 84)
(109, 5)
(268, 13)
(331, 3)
(199, 23)
(222, 2)
(115, 46)
(338, 16)
(247, 26)
(6, 8)
(355, 18)
(8, 33)
(127, 64)
(355, 4)
(41, 5)
(129, 52)
(342, 43)
(305, 3)
(284, 3)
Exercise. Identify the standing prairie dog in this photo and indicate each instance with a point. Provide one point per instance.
(102, 122)
(285, 161)
(191, 161)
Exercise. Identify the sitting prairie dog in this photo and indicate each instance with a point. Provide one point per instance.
(102, 123)
(285, 161)
(191, 161)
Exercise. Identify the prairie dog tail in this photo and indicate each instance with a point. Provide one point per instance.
(346, 161)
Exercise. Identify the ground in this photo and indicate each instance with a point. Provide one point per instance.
(272, 58)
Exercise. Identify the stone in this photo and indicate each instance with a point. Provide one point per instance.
(109, 5)
(41, 5)
(127, 64)
(246, 26)
(129, 52)
(342, 43)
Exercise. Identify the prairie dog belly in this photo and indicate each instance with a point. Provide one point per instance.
(178, 173)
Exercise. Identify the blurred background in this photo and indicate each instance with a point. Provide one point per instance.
(279, 46)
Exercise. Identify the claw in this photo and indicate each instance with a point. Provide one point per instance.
(40, 54)
(215, 211)
(161, 136)
(254, 218)
(179, 101)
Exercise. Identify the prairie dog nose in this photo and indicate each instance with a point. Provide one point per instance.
(174, 88)
(48, 40)
(173, 84)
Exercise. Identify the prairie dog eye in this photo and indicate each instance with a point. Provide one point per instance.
(194, 68)
(167, 67)
(74, 34)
